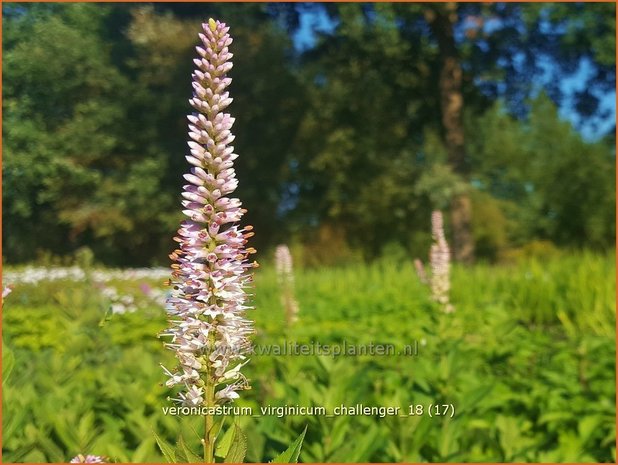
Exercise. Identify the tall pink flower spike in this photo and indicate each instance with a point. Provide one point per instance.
(440, 259)
(208, 329)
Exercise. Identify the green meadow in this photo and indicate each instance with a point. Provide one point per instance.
(523, 370)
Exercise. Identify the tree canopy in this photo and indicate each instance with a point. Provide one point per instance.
(343, 143)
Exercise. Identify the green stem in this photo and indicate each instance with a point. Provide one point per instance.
(209, 438)
(205, 440)
(209, 392)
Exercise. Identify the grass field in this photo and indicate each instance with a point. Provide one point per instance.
(527, 362)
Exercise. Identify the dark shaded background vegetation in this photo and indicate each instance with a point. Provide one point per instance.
(346, 144)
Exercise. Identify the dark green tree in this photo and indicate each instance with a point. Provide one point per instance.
(95, 105)
(431, 63)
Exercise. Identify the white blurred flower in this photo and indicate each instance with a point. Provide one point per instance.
(88, 459)
(6, 291)
(285, 275)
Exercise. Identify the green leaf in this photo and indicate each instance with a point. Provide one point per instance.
(369, 442)
(52, 451)
(183, 452)
(216, 428)
(292, 452)
(475, 396)
(587, 426)
(8, 362)
(238, 448)
(18, 455)
(223, 447)
(142, 452)
(167, 450)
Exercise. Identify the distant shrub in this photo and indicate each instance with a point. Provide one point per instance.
(394, 252)
(489, 226)
(328, 246)
(534, 249)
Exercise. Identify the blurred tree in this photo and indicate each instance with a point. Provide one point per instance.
(360, 135)
(429, 57)
(514, 49)
(61, 118)
(269, 99)
(357, 148)
(563, 188)
(442, 19)
(94, 138)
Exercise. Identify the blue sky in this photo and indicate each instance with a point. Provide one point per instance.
(316, 20)
(591, 130)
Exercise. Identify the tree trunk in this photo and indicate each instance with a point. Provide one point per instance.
(442, 18)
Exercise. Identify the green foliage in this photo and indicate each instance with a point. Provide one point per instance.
(8, 362)
(94, 133)
(490, 226)
(327, 246)
(181, 454)
(238, 446)
(225, 442)
(187, 456)
(373, 161)
(557, 192)
(594, 31)
(440, 185)
(341, 140)
(168, 451)
(341, 150)
(527, 360)
(71, 173)
(290, 455)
